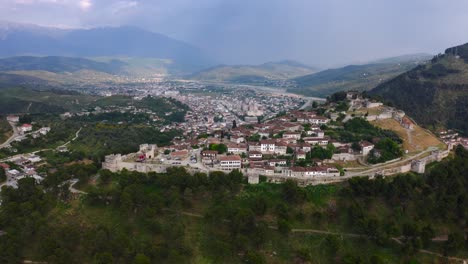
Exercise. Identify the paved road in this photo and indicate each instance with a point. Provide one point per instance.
(77, 134)
(9, 140)
(72, 189)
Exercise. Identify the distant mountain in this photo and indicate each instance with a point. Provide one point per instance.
(355, 77)
(59, 70)
(435, 94)
(59, 64)
(10, 79)
(254, 74)
(23, 39)
(416, 57)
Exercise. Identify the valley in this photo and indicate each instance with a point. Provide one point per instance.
(119, 144)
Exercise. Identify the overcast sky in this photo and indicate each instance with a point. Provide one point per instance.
(317, 32)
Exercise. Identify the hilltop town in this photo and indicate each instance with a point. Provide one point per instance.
(309, 146)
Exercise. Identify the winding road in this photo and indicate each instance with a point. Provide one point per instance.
(10, 139)
(36, 151)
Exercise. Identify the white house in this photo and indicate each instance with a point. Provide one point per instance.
(292, 135)
(13, 118)
(267, 146)
(316, 140)
(255, 155)
(230, 162)
(237, 139)
(25, 128)
(319, 120)
(237, 148)
(300, 155)
(366, 147)
(44, 130)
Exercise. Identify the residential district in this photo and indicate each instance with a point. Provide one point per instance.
(261, 134)
(275, 147)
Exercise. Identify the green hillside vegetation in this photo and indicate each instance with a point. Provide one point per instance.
(354, 77)
(436, 94)
(57, 71)
(12, 79)
(137, 66)
(23, 100)
(174, 217)
(100, 134)
(58, 64)
(5, 129)
(254, 73)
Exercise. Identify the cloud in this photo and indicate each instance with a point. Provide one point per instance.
(85, 4)
(325, 32)
(123, 5)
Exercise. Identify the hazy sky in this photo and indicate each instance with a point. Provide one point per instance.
(317, 32)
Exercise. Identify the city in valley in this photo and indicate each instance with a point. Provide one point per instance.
(237, 132)
(264, 133)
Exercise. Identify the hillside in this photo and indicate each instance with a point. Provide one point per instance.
(355, 77)
(59, 70)
(255, 74)
(59, 64)
(22, 100)
(23, 39)
(435, 94)
(175, 217)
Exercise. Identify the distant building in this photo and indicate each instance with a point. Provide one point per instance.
(366, 147)
(406, 123)
(13, 118)
(255, 155)
(251, 119)
(267, 146)
(292, 135)
(371, 104)
(300, 155)
(237, 148)
(237, 139)
(179, 154)
(44, 130)
(25, 128)
(230, 162)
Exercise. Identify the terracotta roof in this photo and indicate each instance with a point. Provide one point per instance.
(365, 144)
(230, 158)
(234, 145)
(179, 153)
(268, 141)
(209, 152)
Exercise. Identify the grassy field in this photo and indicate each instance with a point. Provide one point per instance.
(370, 111)
(415, 140)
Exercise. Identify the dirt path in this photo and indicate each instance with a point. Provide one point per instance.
(325, 232)
(410, 136)
(458, 260)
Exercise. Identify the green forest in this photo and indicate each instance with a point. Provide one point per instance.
(175, 217)
(434, 94)
(5, 129)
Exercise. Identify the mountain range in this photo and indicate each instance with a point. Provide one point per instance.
(355, 77)
(270, 71)
(23, 39)
(434, 94)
